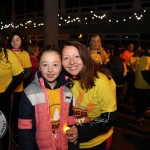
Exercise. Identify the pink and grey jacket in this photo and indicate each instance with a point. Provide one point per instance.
(35, 129)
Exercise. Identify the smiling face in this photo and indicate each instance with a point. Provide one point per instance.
(71, 60)
(16, 41)
(50, 67)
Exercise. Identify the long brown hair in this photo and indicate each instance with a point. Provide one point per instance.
(3, 48)
(90, 68)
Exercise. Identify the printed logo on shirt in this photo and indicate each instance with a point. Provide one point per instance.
(3, 124)
(55, 121)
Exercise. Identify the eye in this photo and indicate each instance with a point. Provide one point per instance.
(76, 56)
(66, 58)
(55, 65)
(44, 65)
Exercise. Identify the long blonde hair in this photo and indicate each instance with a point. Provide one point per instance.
(101, 49)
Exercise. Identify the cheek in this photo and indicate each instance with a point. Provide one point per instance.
(64, 64)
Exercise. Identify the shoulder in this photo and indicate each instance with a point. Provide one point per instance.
(10, 52)
(12, 56)
(35, 94)
(67, 94)
(25, 52)
(103, 80)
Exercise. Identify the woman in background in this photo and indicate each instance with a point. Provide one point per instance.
(16, 44)
(33, 51)
(96, 50)
(11, 75)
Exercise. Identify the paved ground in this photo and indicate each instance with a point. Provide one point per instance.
(127, 136)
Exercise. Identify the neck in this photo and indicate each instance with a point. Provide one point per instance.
(16, 49)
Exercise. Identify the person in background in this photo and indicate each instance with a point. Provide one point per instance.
(142, 87)
(33, 51)
(46, 106)
(96, 50)
(127, 53)
(11, 75)
(94, 98)
(118, 69)
(16, 44)
(131, 77)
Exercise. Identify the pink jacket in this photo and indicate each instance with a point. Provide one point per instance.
(44, 133)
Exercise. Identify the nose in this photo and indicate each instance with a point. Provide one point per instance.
(72, 60)
(50, 68)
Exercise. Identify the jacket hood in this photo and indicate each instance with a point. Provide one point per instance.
(61, 80)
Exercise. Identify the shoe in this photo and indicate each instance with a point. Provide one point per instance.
(16, 141)
(147, 109)
(126, 103)
(139, 123)
(144, 123)
(133, 110)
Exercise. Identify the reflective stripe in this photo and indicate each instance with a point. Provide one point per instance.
(24, 123)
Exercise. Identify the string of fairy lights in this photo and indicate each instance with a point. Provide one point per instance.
(63, 21)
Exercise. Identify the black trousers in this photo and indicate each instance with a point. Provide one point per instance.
(15, 111)
(5, 107)
(141, 96)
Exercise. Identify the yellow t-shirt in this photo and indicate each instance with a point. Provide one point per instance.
(54, 101)
(24, 59)
(143, 64)
(8, 70)
(91, 104)
(96, 57)
(132, 62)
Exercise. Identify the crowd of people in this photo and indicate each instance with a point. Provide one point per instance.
(130, 70)
(66, 98)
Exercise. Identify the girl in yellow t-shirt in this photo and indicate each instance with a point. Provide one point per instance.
(11, 75)
(16, 44)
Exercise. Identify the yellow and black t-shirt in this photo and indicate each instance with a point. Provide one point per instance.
(89, 105)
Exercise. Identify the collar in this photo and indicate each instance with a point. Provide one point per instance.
(61, 80)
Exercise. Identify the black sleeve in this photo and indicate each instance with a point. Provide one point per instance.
(71, 113)
(27, 136)
(72, 146)
(96, 127)
(27, 72)
(12, 86)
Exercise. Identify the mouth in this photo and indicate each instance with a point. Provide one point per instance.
(50, 75)
(73, 68)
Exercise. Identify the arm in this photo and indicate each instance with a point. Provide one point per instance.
(71, 145)
(125, 70)
(27, 72)
(16, 80)
(26, 124)
(96, 127)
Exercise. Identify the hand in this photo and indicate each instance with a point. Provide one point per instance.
(72, 134)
